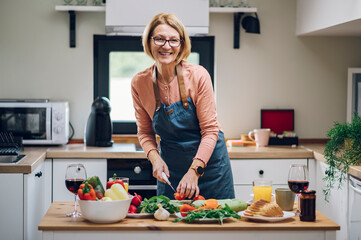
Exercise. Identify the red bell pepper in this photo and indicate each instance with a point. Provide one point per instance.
(185, 208)
(86, 192)
(111, 182)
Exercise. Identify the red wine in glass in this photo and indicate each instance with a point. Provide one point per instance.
(74, 177)
(73, 184)
(298, 186)
(298, 180)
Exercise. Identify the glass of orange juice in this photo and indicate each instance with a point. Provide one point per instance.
(262, 189)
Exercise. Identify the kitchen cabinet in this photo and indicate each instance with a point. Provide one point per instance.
(11, 207)
(94, 167)
(22, 204)
(328, 18)
(35, 205)
(337, 206)
(246, 170)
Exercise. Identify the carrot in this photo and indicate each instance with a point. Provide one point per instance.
(210, 204)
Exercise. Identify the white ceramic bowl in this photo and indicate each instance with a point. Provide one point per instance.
(105, 211)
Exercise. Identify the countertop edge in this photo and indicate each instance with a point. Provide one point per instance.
(55, 220)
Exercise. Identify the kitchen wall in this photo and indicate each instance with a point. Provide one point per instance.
(276, 69)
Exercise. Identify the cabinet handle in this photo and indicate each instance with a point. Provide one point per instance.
(38, 174)
(261, 172)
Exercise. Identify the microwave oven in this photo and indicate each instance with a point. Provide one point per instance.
(38, 122)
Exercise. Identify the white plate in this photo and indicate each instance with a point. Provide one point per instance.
(204, 220)
(286, 215)
(139, 215)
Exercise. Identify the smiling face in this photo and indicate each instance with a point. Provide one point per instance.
(166, 54)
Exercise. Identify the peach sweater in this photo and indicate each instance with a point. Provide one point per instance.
(198, 86)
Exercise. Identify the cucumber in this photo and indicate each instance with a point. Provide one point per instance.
(235, 204)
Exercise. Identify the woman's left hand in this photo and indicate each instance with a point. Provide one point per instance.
(188, 185)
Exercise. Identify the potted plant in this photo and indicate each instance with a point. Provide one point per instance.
(342, 151)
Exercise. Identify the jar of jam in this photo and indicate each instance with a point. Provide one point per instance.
(308, 205)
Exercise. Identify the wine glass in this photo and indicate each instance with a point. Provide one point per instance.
(298, 180)
(75, 175)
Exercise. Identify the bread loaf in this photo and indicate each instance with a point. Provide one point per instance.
(263, 208)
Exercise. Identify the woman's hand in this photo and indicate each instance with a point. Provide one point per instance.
(189, 184)
(158, 164)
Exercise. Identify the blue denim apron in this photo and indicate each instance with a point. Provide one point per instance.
(179, 131)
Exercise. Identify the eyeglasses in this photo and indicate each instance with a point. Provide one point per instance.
(161, 41)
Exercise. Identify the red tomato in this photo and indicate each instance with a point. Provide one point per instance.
(198, 198)
(137, 200)
(178, 197)
(132, 209)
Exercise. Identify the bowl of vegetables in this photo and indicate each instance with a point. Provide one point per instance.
(108, 207)
(105, 211)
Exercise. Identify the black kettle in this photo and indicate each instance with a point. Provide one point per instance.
(99, 127)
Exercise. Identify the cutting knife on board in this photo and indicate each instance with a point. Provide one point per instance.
(164, 176)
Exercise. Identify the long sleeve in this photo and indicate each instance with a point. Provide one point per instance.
(207, 116)
(142, 103)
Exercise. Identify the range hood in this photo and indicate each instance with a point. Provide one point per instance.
(129, 17)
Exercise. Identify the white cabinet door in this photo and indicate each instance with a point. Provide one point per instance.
(246, 170)
(336, 208)
(34, 207)
(94, 167)
(11, 206)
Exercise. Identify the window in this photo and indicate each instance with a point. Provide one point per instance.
(118, 58)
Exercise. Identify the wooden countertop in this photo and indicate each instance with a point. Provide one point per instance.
(55, 220)
(269, 152)
(129, 151)
(118, 150)
(33, 157)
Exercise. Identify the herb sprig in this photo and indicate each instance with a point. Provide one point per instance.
(218, 214)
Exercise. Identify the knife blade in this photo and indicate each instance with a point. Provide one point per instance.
(164, 176)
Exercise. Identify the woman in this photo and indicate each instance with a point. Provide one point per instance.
(174, 99)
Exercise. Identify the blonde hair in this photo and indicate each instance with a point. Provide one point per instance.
(173, 21)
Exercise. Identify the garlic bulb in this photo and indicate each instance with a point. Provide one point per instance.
(161, 214)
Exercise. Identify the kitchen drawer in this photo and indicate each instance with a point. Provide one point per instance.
(243, 192)
(246, 170)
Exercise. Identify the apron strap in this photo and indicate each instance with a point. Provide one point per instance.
(182, 88)
(155, 87)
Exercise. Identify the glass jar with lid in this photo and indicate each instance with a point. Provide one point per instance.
(308, 205)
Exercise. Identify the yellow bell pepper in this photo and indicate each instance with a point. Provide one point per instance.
(116, 192)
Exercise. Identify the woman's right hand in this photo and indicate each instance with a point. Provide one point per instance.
(159, 165)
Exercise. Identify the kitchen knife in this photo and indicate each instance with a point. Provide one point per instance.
(164, 176)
